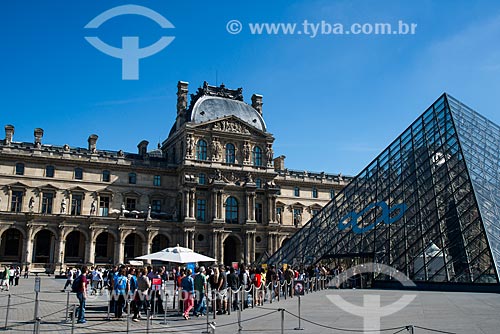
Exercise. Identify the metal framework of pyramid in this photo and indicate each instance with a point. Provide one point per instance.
(428, 205)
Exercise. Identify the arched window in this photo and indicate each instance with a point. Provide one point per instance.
(231, 210)
(201, 150)
(257, 156)
(230, 153)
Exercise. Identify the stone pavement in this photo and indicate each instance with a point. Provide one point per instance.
(453, 312)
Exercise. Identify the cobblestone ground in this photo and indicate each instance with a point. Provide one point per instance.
(450, 312)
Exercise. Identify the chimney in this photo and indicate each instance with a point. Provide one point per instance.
(92, 143)
(182, 102)
(143, 148)
(182, 96)
(38, 137)
(279, 163)
(9, 134)
(257, 103)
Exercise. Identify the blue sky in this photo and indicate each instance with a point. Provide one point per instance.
(332, 102)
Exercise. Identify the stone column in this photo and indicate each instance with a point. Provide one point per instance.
(28, 245)
(191, 203)
(250, 247)
(186, 238)
(86, 255)
(192, 239)
(272, 208)
(215, 204)
(119, 244)
(214, 244)
(186, 204)
(252, 206)
(220, 204)
(60, 247)
(252, 257)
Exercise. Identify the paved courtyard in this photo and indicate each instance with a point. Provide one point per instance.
(452, 312)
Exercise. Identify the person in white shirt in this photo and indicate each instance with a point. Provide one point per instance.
(96, 279)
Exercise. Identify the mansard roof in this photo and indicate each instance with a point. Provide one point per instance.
(211, 102)
(209, 108)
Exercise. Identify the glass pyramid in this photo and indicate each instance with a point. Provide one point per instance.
(428, 205)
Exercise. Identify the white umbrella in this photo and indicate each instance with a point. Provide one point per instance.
(178, 255)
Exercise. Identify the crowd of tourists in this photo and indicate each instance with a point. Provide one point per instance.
(137, 291)
(10, 275)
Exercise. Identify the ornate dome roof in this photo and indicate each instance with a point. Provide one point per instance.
(207, 108)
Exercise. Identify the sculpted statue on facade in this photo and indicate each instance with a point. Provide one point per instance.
(63, 205)
(189, 146)
(230, 126)
(269, 154)
(31, 204)
(216, 150)
(122, 209)
(246, 151)
(92, 208)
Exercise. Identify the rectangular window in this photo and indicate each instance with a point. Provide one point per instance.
(132, 178)
(315, 192)
(157, 180)
(19, 168)
(17, 201)
(106, 176)
(49, 171)
(332, 193)
(78, 174)
(296, 191)
(47, 201)
(103, 206)
(201, 208)
(76, 204)
(130, 204)
(201, 178)
(156, 205)
(297, 216)
(258, 212)
(314, 212)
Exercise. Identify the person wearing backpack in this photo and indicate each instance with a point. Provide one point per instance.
(80, 285)
(120, 289)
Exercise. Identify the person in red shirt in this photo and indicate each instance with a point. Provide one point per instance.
(82, 295)
(257, 281)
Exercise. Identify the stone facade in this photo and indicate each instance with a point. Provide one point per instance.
(213, 185)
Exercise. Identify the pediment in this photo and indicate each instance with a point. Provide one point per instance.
(48, 186)
(16, 185)
(131, 193)
(230, 124)
(77, 189)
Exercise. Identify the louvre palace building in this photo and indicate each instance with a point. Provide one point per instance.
(214, 185)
